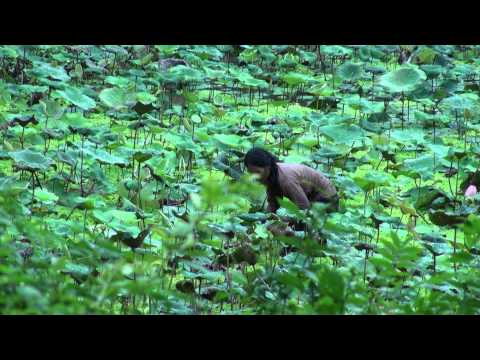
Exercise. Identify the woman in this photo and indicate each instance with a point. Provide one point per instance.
(299, 183)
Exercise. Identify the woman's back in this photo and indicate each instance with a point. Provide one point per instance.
(300, 183)
(309, 179)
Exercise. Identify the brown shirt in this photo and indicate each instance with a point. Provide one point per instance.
(302, 185)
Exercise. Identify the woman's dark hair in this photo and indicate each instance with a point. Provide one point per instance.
(262, 158)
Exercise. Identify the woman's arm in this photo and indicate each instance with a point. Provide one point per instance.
(272, 202)
(296, 194)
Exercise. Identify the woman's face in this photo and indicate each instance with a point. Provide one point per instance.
(262, 173)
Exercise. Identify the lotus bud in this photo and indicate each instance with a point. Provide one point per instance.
(471, 191)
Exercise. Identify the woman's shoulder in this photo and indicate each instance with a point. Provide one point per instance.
(290, 172)
(297, 171)
(293, 167)
(290, 165)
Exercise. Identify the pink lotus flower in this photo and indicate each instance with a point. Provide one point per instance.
(471, 191)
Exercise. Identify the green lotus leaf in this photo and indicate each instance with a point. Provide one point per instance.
(420, 167)
(350, 71)
(11, 186)
(45, 196)
(408, 136)
(229, 139)
(46, 70)
(295, 78)
(146, 98)
(336, 50)
(447, 218)
(115, 98)
(105, 158)
(461, 102)
(122, 221)
(51, 109)
(433, 71)
(142, 155)
(77, 98)
(343, 134)
(69, 157)
(373, 179)
(31, 160)
(472, 230)
(118, 81)
(403, 80)
(185, 73)
(196, 119)
(84, 203)
(363, 105)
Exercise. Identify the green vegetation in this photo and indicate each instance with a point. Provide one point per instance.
(122, 189)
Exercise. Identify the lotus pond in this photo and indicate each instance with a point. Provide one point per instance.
(122, 187)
